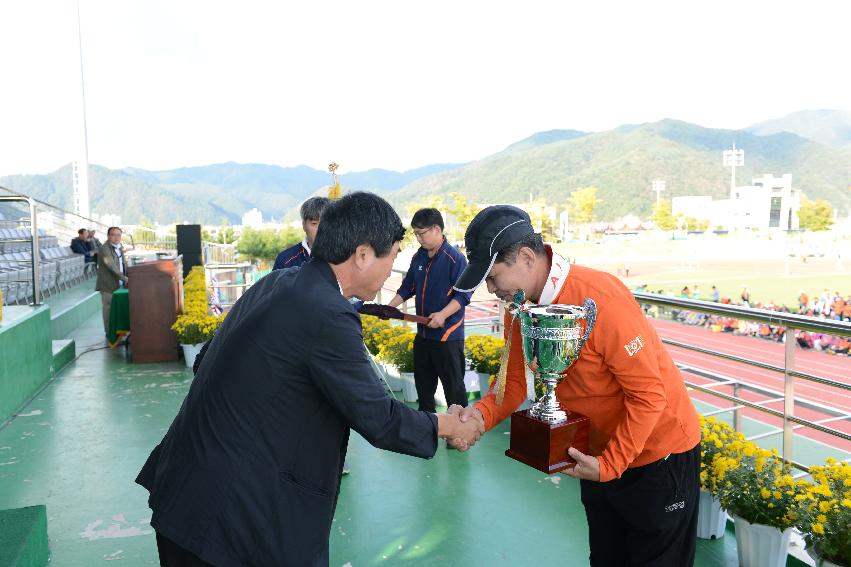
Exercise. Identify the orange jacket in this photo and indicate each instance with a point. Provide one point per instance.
(624, 381)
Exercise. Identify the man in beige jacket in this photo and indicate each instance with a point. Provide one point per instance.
(112, 271)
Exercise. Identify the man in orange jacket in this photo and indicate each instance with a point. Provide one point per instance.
(640, 484)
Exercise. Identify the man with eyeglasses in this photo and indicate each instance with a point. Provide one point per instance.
(439, 346)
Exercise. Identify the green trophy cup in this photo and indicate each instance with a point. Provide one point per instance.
(553, 336)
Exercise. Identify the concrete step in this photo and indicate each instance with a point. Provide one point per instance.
(23, 537)
(64, 351)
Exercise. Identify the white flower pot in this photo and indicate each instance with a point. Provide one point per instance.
(759, 545)
(409, 388)
(484, 380)
(471, 381)
(391, 374)
(711, 518)
(190, 352)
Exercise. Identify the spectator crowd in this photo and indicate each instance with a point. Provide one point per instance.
(827, 305)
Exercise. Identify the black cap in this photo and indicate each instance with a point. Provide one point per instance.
(493, 229)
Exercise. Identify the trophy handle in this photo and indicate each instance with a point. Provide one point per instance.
(591, 316)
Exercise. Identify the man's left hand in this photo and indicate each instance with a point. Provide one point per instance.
(438, 320)
(587, 467)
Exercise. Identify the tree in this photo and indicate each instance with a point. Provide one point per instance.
(692, 223)
(815, 215)
(542, 221)
(582, 203)
(266, 244)
(663, 216)
(463, 211)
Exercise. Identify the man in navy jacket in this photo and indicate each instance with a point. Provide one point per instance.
(439, 346)
(298, 254)
(249, 471)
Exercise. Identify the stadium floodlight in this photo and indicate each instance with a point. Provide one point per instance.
(733, 158)
(658, 186)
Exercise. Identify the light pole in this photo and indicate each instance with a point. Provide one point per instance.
(81, 169)
(733, 158)
(658, 186)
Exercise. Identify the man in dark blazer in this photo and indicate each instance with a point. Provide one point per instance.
(249, 471)
(112, 271)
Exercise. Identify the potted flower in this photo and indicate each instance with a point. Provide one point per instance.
(376, 333)
(193, 330)
(398, 350)
(484, 353)
(825, 514)
(715, 437)
(195, 325)
(757, 489)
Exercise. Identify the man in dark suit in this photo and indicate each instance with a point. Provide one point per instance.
(81, 245)
(249, 471)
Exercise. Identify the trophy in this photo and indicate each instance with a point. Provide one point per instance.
(553, 336)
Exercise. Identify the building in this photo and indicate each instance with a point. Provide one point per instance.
(769, 203)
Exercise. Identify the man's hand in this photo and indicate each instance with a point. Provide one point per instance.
(466, 415)
(438, 320)
(460, 435)
(587, 467)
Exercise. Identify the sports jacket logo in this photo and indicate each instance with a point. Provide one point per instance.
(634, 345)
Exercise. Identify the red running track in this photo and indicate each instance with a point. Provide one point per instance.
(820, 364)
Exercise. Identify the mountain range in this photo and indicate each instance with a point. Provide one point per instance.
(814, 146)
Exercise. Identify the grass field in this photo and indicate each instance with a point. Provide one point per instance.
(766, 267)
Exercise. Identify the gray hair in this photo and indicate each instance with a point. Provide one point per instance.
(312, 208)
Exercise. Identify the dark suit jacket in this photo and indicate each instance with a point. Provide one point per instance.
(249, 471)
(82, 247)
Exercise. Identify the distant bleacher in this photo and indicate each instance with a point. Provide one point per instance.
(60, 267)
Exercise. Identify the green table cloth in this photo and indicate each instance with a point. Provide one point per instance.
(119, 317)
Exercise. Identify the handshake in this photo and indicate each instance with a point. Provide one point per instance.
(461, 427)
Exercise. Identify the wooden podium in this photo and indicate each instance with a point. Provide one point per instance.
(156, 298)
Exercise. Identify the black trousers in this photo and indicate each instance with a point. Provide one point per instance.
(172, 555)
(648, 516)
(433, 359)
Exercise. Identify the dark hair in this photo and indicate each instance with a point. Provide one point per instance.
(508, 255)
(81, 231)
(110, 229)
(313, 207)
(358, 218)
(427, 218)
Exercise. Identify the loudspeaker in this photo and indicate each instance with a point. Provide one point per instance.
(189, 246)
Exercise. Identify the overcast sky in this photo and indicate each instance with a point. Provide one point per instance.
(393, 84)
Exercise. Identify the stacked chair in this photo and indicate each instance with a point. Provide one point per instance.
(60, 267)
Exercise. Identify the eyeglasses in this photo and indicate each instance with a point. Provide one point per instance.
(421, 233)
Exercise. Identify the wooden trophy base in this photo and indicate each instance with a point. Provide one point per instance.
(543, 445)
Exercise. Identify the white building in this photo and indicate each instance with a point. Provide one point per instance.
(703, 207)
(768, 203)
(252, 219)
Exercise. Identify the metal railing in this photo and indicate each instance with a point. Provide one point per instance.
(35, 272)
(790, 322)
(62, 223)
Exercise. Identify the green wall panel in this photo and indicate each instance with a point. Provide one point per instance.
(26, 355)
